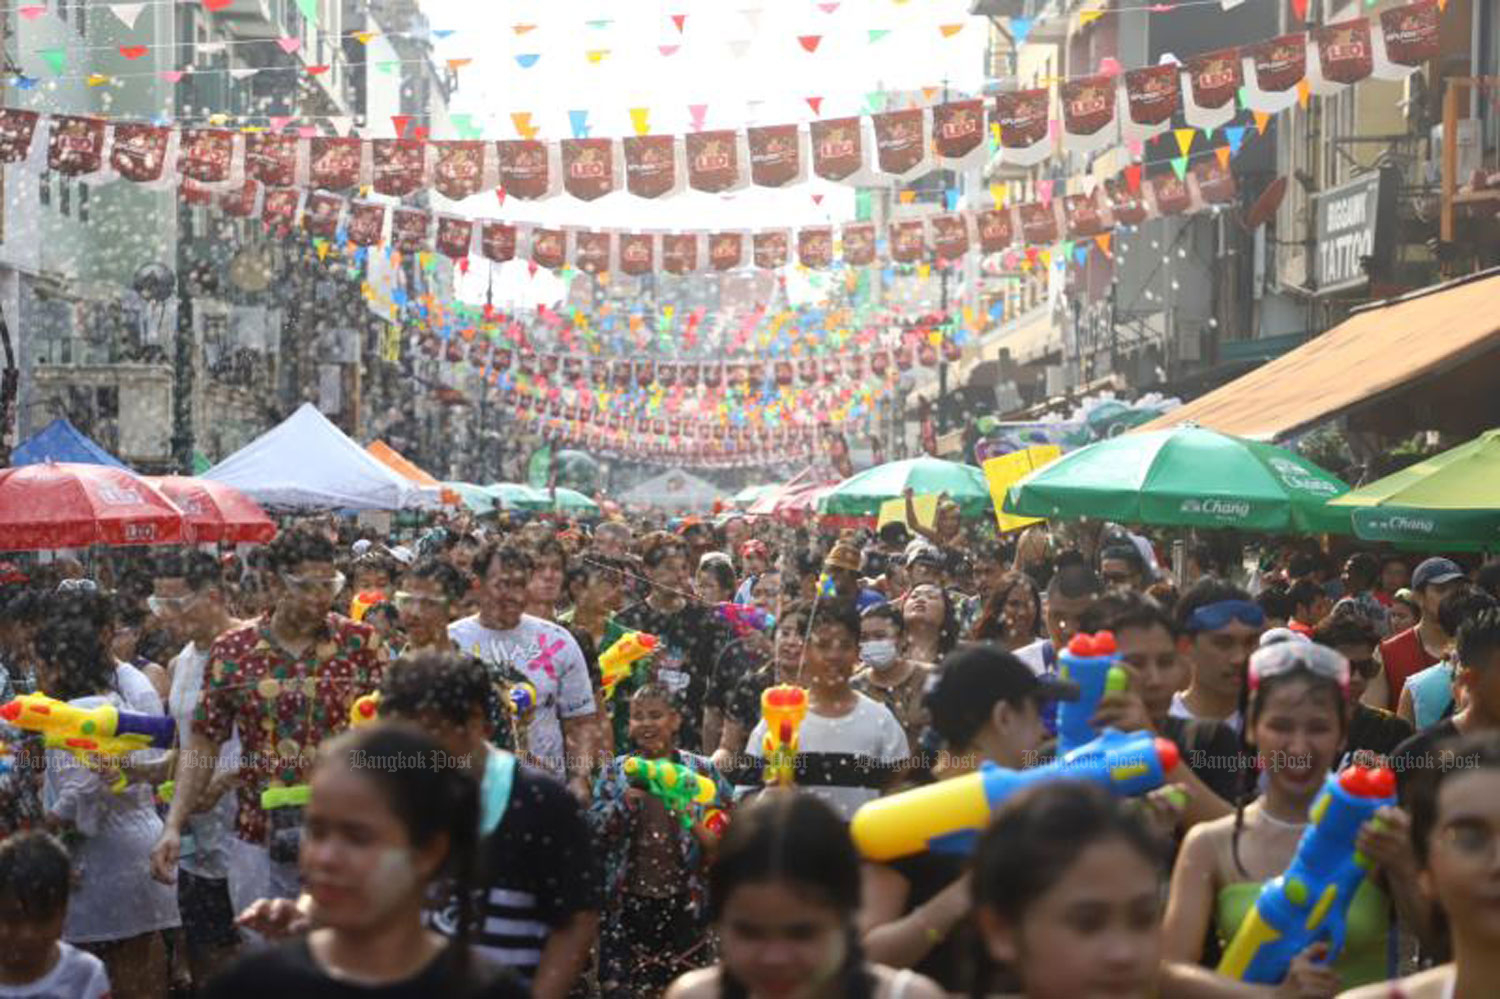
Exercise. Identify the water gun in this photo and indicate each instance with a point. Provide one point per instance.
(105, 731)
(294, 796)
(520, 699)
(674, 785)
(1092, 662)
(363, 601)
(1311, 900)
(365, 710)
(7, 759)
(948, 816)
(826, 589)
(618, 660)
(783, 707)
(745, 618)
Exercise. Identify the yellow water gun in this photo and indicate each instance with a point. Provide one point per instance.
(783, 707)
(90, 734)
(620, 658)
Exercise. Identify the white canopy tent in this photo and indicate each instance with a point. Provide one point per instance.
(675, 491)
(308, 462)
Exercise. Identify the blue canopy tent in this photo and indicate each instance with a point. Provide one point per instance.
(61, 441)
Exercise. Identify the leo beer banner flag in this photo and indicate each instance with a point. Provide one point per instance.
(525, 168)
(75, 145)
(272, 159)
(1171, 195)
(588, 167)
(1025, 133)
(1407, 38)
(139, 152)
(549, 247)
(279, 209)
(1038, 223)
(1127, 207)
(726, 250)
(859, 244)
(900, 141)
(771, 249)
(1272, 71)
(679, 252)
(1339, 55)
(409, 229)
(815, 247)
(995, 229)
(459, 170)
(243, 203)
(1152, 96)
(206, 156)
(593, 252)
(320, 215)
(1213, 80)
(400, 166)
(1212, 184)
(1088, 106)
(908, 241)
(775, 155)
(713, 161)
(637, 253)
(497, 241)
(334, 163)
(651, 167)
(1082, 216)
(958, 128)
(455, 236)
(837, 148)
(950, 236)
(16, 130)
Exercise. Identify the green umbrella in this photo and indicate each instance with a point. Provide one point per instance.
(514, 496)
(861, 495)
(573, 501)
(750, 494)
(477, 498)
(1451, 499)
(1184, 477)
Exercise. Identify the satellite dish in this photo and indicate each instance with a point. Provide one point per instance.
(252, 269)
(1265, 206)
(154, 282)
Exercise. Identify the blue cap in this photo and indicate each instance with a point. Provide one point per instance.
(1436, 570)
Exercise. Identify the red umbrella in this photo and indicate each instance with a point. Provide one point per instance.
(64, 505)
(216, 512)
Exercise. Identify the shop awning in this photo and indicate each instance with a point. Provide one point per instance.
(1375, 352)
(1033, 336)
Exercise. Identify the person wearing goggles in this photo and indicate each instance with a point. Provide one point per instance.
(1219, 627)
(429, 591)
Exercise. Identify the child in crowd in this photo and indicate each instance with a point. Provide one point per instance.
(848, 743)
(35, 962)
(655, 861)
(784, 892)
(386, 820)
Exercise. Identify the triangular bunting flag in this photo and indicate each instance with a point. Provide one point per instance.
(1133, 178)
(1102, 241)
(679, 20)
(1184, 138)
(949, 30)
(1089, 17)
(928, 93)
(876, 34)
(596, 56)
(521, 29)
(213, 5)
(640, 120)
(809, 42)
(522, 121)
(668, 50)
(1262, 119)
(32, 12)
(817, 199)
(1299, 7)
(171, 75)
(828, 8)
(387, 66)
(401, 122)
(816, 103)
(243, 72)
(1179, 166)
(364, 37)
(1081, 255)
(1020, 27)
(1304, 92)
(56, 58)
(454, 65)
(309, 9)
(528, 59)
(127, 13)
(1044, 191)
(1223, 153)
(96, 80)
(280, 121)
(133, 52)
(1236, 135)
(318, 70)
(600, 24)
(696, 114)
(997, 194)
(289, 44)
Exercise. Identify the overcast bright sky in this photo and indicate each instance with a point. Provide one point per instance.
(768, 85)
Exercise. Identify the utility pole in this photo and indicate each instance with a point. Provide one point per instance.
(182, 380)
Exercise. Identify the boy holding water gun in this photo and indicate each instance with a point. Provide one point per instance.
(658, 816)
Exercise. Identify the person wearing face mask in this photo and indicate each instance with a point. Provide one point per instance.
(886, 675)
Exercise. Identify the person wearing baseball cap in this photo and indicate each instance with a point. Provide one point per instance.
(842, 566)
(1423, 645)
(987, 706)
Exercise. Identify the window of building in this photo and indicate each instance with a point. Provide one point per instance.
(44, 188)
(81, 9)
(107, 402)
(83, 201)
(65, 197)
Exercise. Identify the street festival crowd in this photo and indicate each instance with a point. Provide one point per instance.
(488, 757)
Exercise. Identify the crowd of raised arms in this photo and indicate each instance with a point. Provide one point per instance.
(733, 758)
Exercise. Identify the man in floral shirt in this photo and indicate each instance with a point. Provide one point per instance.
(286, 682)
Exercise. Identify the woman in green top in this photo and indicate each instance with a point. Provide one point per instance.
(1296, 721)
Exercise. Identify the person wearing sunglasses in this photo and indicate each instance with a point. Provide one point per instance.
(1374, 733)
(286, 683)
(1218, 627)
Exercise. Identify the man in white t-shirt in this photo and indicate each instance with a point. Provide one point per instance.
(516, 647)
(849, 743)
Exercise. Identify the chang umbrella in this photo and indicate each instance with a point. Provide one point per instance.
(60, 505)
(514, 496)
(1449, 499)
(1184, 477)
(573, 501)
(477, 499)
(216, 512)
(861, 495)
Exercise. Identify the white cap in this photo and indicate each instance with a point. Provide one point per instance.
(361, 546)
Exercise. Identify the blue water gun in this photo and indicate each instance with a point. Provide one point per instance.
(1092, 662)
(947, 817)
(1310, 902)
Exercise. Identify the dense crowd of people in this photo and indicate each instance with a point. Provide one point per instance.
(505, 758)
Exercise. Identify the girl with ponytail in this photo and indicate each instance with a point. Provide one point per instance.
(387, 818)
(784, 891)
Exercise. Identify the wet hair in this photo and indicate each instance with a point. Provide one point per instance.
(884, 611)
(1460, 606)
(1363, 569)
(199, 570)
(1479, 637)
(948, 629)
(1304, 593)
(1074, 580)
(652, 690)
(36, 875)
(71, 641)
(721, 569)
(793, 617)
(1129, 610)
(428, 802)
(839, 613)
(1463, 754)
(1487, 577)
(1276, 603)
(448, 577)
(1347, 627)
(1301, 565)
(792, 837)
(990, 624)
(1204, 592)
(303, 543)
(510, 554)
(657, 547)
(546, 547)
(1126, 553)
(446, 685)
(1033, 841)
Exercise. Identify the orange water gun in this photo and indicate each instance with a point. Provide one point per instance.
(783, 707)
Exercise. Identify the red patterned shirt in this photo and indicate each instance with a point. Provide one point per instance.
(284, 706)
